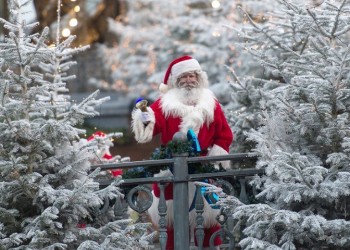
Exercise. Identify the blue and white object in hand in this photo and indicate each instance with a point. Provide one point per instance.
(192, 137)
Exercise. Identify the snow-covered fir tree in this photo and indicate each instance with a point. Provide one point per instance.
(155, 32)
(46, 186)
(303, 140)
(247, 74)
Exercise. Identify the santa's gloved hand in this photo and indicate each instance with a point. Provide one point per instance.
(145, 117)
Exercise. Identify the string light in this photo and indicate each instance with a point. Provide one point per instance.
(73, 22)
(216, 34)
(215, 4)
(76, 8)
(66, 32)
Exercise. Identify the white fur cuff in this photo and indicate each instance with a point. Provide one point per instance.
(143, 133)
(217, 150)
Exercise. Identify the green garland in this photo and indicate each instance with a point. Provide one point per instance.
(167, 152)
(178, 147)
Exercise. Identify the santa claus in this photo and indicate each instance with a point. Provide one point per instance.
(185, 103)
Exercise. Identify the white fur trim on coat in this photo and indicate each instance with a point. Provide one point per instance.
(191, 116)
(143, 133)
(217, 150)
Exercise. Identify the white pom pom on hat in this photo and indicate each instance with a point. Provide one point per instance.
(176, 68)
(163, 88)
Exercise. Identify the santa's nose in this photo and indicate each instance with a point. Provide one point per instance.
(187, 76)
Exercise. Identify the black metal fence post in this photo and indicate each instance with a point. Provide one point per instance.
(181, 215)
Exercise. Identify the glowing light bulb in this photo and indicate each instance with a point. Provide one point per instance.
(216, 34)
(215, 4)
(73, 22)
(65, 32)
(76, 8)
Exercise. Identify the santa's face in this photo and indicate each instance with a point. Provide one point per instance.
(188, 80)
(188, 88)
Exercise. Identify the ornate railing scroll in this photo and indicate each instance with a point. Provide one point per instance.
(199, 205)
(162, 221)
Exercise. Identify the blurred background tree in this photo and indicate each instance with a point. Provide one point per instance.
(85, 19)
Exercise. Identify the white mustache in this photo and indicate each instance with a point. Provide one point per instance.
(188, 95)
(188, 84)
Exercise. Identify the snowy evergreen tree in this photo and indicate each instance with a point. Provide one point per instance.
(303, 140)
(46, 186)
(247, 75)
(156, 32)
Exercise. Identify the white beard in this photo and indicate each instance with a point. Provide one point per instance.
(188, 96)
(195, 107)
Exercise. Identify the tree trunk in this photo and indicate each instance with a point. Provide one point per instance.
(4, 13)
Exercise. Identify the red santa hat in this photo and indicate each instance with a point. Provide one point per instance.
(176, 68)
(107, 155)
(96, 134)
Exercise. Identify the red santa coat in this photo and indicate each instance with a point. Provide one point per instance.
(218, 132)
(169, 115)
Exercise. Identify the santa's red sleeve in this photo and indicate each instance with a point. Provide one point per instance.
(223, 136)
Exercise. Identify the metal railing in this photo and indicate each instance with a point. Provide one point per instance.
(180, 180)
